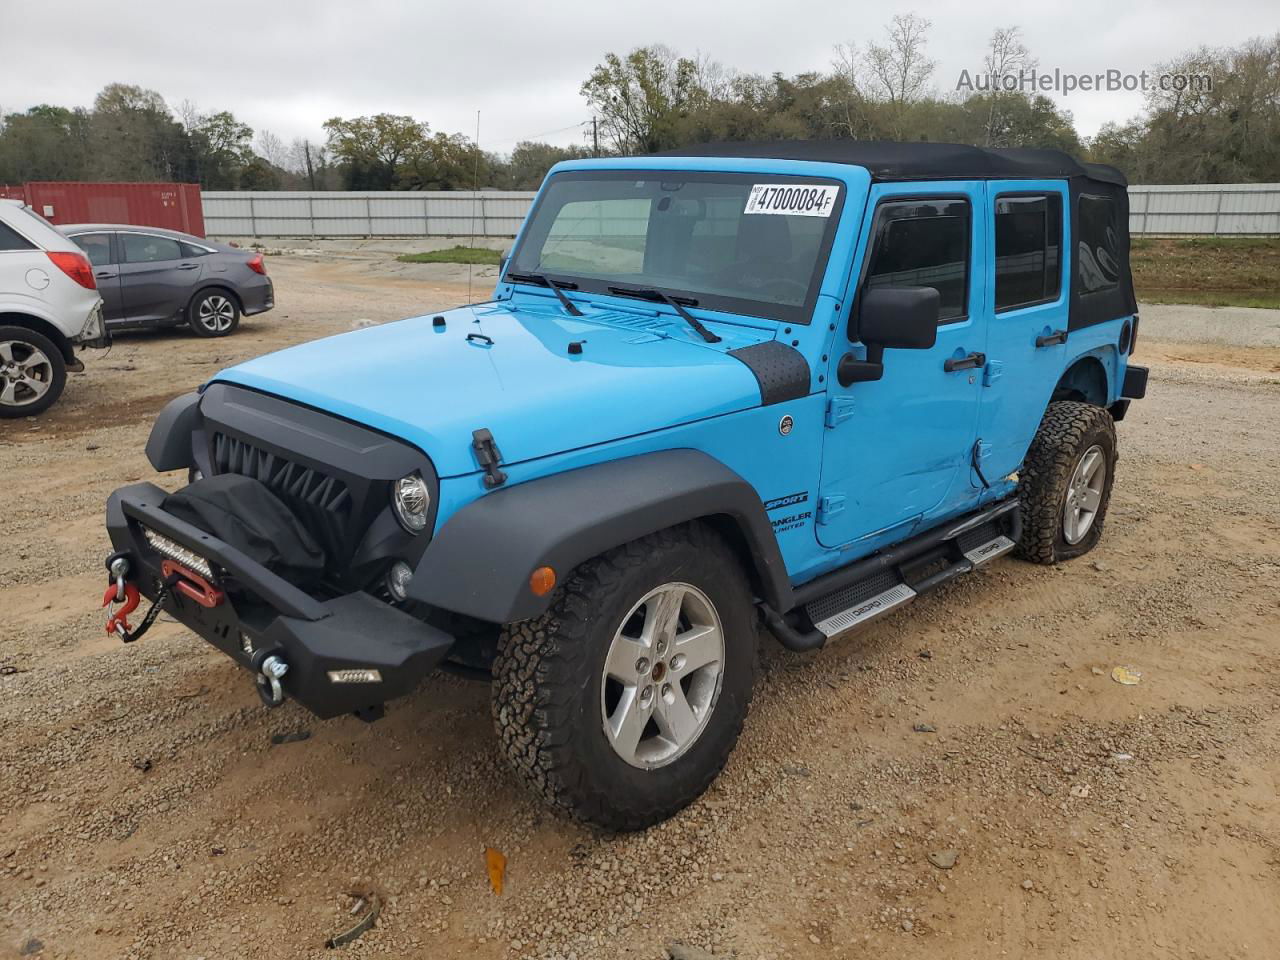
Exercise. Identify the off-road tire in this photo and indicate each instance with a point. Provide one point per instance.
(1068, 430)
(57, 368)
(217, 300)
(547, 681)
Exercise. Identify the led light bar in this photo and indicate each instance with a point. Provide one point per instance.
(178, 553)
(355, 676)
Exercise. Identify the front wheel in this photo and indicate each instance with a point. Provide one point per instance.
(213, 313)
(32, 372)
(1065, 484)
(623, 701)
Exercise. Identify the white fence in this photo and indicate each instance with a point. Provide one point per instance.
(400, 213)
(1232, 209)
(1213, 209)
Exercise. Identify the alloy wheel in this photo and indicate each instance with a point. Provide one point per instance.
(662, 675)
(1084, 495)
(26, 373)
(216, 313)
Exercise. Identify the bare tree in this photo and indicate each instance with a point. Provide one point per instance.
(900, 70)
(1007, 56)
(849, 67)
(272, 149)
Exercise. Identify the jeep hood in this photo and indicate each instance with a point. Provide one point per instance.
(509, 369)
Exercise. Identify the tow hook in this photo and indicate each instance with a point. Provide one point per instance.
(270, 671)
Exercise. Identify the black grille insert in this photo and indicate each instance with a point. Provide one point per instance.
(321, 502)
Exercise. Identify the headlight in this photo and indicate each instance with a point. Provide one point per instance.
(410, 499)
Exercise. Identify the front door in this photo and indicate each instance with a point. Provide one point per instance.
(898, 450)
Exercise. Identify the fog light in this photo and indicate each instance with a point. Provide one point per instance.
(398, 578)
(355, 676)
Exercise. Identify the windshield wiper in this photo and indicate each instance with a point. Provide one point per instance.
(659, 296)
(554, 285)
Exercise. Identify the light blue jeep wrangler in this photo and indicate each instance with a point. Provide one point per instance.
(795, 384)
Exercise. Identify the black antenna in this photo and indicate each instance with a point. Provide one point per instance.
(475, 200)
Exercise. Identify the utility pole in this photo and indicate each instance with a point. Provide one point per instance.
(595, 139)
(311, 174)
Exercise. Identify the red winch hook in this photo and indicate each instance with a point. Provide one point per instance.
(117, 621)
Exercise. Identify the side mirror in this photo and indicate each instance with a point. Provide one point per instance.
(901, 318)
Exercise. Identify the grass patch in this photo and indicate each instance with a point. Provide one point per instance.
(1212, 271)
(480, 255)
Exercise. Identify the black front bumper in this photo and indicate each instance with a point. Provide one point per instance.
(333, 648)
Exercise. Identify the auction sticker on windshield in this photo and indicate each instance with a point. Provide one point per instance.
(802, 200)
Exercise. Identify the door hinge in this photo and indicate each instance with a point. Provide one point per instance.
(829, 506)
(981, 451)
(839, 409)
(993, 371)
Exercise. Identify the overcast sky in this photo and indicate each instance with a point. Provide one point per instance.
(287, 67)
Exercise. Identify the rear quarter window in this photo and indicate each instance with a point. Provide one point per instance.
(1098, 247)
(11, 239)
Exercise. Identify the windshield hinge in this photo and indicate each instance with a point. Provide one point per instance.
(488, 456)
(839, 409)
(829, 506)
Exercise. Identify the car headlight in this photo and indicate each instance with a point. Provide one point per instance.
(410, 499)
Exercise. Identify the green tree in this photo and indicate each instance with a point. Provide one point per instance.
(643, 98)
(373, 149)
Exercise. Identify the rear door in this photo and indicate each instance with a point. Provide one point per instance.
(156, 280)
(898, 449)
(100, 248)
(1027, 318)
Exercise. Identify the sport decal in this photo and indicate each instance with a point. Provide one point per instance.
(793, 200)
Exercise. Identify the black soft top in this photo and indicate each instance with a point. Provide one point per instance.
(889, 160)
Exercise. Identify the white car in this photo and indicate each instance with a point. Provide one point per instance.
(49, 304)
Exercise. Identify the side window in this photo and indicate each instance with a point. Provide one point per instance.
(924, 243)
(189, 251)
(1028, 250)
(97, 246)
(1097, 243)
(144, 248)
(11, 239)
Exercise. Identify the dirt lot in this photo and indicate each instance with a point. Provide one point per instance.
(145, 812)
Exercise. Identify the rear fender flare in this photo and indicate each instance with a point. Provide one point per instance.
(480, 561)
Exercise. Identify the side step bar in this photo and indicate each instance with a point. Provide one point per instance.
(870, 588)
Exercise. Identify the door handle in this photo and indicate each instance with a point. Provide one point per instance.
(1053, 339)
(188, 266)
(104, 275)
(970, 362)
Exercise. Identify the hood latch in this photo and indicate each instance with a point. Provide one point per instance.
(488, 456)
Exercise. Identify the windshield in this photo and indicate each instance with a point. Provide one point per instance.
(752, 244)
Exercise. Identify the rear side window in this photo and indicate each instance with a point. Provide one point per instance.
(188, 250)
(1028, 250)
(1098, 243)
(144, 248)
(924, 243)
(97, 246)
(10, 239)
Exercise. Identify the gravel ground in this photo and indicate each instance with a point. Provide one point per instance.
(145, 812)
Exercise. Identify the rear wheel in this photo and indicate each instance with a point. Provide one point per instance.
(213, 313)
(32, 372)
(1066, 480)
(622, 703)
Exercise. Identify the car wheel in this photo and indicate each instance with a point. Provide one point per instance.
(32, 372)
(623, 701)
(213, 313)
(1065, 482)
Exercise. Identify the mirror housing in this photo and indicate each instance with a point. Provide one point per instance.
(900, 318)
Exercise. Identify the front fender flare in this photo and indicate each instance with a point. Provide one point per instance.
(479, 562)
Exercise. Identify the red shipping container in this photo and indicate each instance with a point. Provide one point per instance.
(12, 193)
(174, 206)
